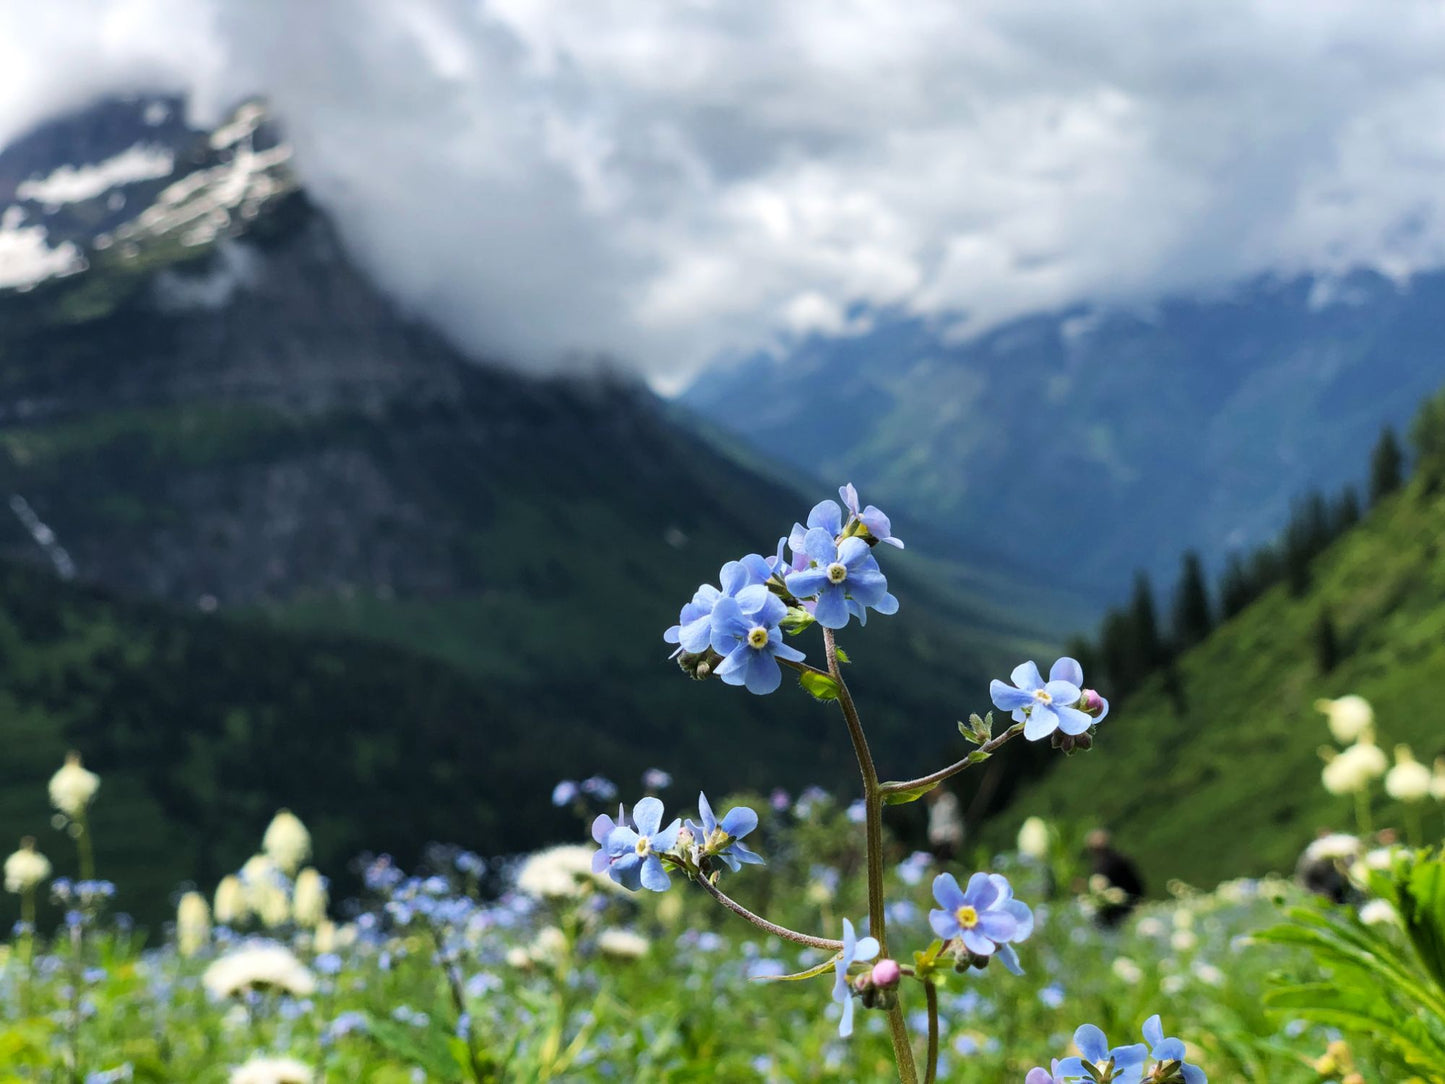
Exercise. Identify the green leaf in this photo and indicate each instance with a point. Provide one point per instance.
(903, 797)
(818, 686)
(842, 655)
(812, 972)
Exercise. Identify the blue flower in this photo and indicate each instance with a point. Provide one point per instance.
(984, 916)
(878, 524)
(694, 624)
(602, 827)
(1045, 1076)
(853, 949)
(633, 855)
(745, 633)
(1167, 1050)
(1043, 708)
(723, 838)
(841, 573)
(1128, 1061)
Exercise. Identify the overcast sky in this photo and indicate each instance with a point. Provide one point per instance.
(671, 182)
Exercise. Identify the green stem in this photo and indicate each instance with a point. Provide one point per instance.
(873, 819)
(1362, 812)
(930, 1071)
(84, 847)
(27, 955)
(934, 778)
(1414, 825)
(763, 924)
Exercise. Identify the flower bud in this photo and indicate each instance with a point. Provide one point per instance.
(1091, 703)
(887, 973)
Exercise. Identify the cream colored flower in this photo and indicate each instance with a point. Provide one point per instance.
(1351, 771)
(193, 924)
(308, 898)
(622, 944)
(1034, 838)
(1337, 846)
(563, 872)
(287, 842)
(1408, 780)
(265, 888)
(258, 965)
(26, 868)
(231, 905)
(73, 788)
(1350, 718)
(1127, 970)
(1379, 913)
(272, 1071)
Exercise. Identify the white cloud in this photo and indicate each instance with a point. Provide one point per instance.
(669, 183)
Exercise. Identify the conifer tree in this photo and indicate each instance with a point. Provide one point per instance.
(1387, 464)
(1327, 643)
(1192, 616)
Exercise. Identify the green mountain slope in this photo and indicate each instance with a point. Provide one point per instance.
(1220, 774)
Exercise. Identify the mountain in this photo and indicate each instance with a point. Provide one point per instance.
(1211, 770)
(215, 419)
(1094, 441)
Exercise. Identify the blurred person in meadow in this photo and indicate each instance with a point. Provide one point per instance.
(1114, 876)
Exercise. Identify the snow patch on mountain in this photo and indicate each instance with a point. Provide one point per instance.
(75, 184)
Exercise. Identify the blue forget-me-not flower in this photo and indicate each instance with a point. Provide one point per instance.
(633, 855)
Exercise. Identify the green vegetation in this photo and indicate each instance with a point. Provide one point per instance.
(1224, 777)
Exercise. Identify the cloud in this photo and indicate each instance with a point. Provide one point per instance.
(669, 184)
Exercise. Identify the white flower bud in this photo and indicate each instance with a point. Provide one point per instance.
(1350, 718)
(287, 842)
(262, 1070)
(261, 965)
(622, 944)
(73, 788)
(308, 898)
(1408, 780)
(231, 905)
(1034, 838)
(26, 868)
(193, 924)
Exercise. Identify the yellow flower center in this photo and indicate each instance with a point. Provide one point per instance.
(967, 917)
(644, 846)
(758, 637)
(1042, 696)
(837, 572)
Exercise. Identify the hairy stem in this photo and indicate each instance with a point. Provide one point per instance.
(763, 924)
(930, 1070)
(957, 766)
(873, 819)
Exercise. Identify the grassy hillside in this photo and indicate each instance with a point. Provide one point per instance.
(1214, 771)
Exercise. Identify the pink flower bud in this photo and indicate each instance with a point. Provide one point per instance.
(886, 973)
(1091, 703)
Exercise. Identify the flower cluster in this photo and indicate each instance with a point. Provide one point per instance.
(637, 852)
(1157, 1060)
(1060, 704)
(735, 630)
(980, 921)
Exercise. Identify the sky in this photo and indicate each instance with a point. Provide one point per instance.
(669, 184)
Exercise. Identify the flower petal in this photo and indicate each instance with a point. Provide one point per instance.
(1067, 669)
(647, 815)
(1026, 676)
(1008, 698)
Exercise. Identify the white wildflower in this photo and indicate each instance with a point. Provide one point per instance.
(287, 842)
(231, 906)
(193, 924)
(1034, 838)
(308, 898)
(1408, 780)
(1127, 970)
(258, 965)
(1378, 913)
(26, 868)
(73, 788)
(1350, 772)
(622, 944)
(563, 872)
(1350, 718)
(272, 1071)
